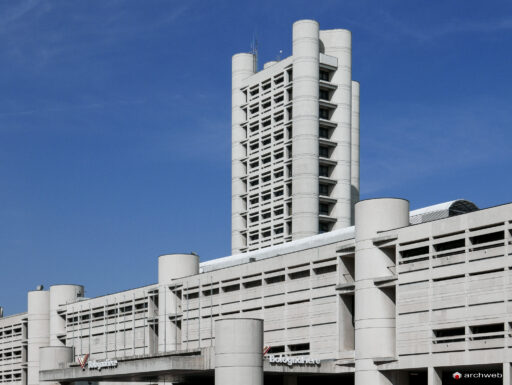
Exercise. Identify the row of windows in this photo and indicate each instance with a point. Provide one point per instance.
(265, 105)
(230, 287)
(258, 145)
(97, 315)
(9, 332)
(452, 247)
(15, 376)
(267, 85)
(10, 354)
(475, 332)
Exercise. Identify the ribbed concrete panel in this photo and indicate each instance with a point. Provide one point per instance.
(242, 68)
(375, 325)
(239, 351)
(61, 295)
(354, 155)
(170, 267)
(338, 43)
(305, 128)
(38, 331)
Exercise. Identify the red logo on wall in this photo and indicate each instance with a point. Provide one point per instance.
(457, 375)
(83, 361)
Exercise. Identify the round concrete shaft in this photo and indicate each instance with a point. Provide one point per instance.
(239, 351)
(375, 323)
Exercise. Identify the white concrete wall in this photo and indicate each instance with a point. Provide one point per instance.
(242, 68)
(38, 331)
(305, 128)
(338, 43)
(374, 306)
(354, 154)
(170, 267)
(61, 295)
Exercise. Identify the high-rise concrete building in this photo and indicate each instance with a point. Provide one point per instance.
(295, 141)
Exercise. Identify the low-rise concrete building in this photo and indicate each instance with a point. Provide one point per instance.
(383, 302)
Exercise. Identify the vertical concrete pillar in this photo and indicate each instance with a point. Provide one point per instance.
(170, 267)
(239, 351)
(354, 155)
(374, 307)
(434, 376)
(507, 380)
(243, 66)
(60, 295)
(38, 331)
(305, 129)
(338, 43)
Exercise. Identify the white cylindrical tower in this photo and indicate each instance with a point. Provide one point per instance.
(239, 351)
(38, 331)
(305, 129)
(60, 295)
(338, 43)
(55, 357)
(375, 323)
(172, 266)
(354, 155)
(243, 66)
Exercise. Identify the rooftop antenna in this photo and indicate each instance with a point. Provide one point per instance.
(254, 51)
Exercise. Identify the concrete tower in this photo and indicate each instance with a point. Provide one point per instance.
(295, 141)
(375, 307)
(170, 267)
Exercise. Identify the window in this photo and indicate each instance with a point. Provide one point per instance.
(324, 75)
(323, 171)
(298, 347)
(488, 331)
(323, 132)
(299, 274)
(230, 288)
(279, 278)
(324, 209)
(324, 94)
(323, 151)
(323, 189)
(443, 335)
(324, 227)
(250, 284)
(324, 113)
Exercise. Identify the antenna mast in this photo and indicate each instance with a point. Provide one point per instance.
(254, 51)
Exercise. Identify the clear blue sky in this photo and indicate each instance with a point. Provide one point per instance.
(115, 122)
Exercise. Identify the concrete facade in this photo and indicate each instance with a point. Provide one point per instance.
(295, 149)
(401, 297)
(384, 302)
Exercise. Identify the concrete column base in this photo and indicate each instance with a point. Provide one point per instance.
(434, 376)
(506, 374)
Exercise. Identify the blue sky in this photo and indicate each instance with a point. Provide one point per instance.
(115, 122)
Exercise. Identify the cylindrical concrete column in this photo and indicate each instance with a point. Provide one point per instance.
(55, 357)
(305, 129)
(61, 295)
(375, 323)
(354, 155)
(170, 267)
(243, 66)
(239, 351)
(338, 43)
(38, 331)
